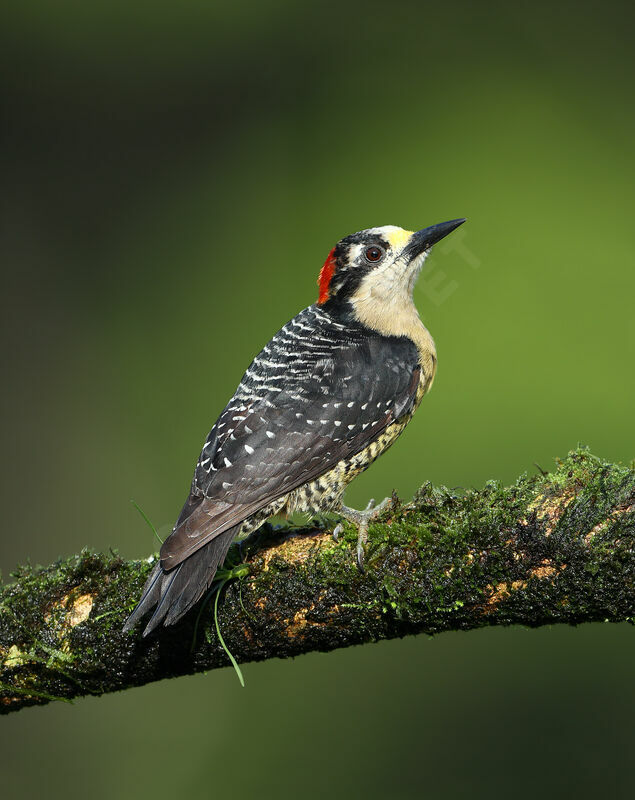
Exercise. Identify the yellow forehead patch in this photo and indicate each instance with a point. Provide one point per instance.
(398, 237)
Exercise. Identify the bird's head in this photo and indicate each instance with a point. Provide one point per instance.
(382, 263)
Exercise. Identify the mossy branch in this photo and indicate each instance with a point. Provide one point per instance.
(553, 548)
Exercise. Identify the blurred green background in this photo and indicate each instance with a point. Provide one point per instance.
(173, 176)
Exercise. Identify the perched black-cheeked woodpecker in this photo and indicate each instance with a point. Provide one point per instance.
(322, 400)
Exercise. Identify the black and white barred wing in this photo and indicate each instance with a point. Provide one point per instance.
(279, 433)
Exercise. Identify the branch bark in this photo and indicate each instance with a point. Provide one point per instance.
(553, 548)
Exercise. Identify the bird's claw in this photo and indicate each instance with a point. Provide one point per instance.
(362, 538)
(360, 557)
(336, 531)
(361, 520)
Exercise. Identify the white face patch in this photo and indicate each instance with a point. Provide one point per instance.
(383, 299)
(394, 278)
(393, 270)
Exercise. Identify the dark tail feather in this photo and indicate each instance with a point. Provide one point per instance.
(175, 592)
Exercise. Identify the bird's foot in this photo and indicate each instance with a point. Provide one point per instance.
(361, 519)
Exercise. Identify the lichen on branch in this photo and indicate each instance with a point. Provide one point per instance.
(558, 547)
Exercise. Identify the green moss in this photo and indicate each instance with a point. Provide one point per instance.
(37, 617)
(550, 548)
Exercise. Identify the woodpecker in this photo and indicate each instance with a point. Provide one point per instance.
(322, 400)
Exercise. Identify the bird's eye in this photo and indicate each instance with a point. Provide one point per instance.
(373, 253)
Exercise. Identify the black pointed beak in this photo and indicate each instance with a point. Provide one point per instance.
(424, 239)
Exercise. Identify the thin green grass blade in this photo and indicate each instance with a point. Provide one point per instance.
(222, 641)
(147, 519)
